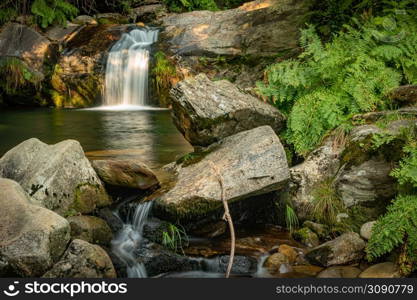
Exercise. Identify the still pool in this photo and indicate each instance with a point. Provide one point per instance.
(148, 135)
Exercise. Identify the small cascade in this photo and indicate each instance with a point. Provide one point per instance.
(129, 239)
(127, 67)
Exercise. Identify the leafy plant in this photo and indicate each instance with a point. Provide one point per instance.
(164, 71)
(329, 83)
(291, 219)
(190, 5)
(48, 12)
(174, 238)
(15, 74)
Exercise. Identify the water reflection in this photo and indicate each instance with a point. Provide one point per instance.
(147, 135)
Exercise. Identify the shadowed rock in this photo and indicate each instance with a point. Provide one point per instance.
(32, 238)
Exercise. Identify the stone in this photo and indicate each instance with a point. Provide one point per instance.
(306, 236)
(85, 20)
(345, 249)
(83, 260)
(58, 177)
(147, 13)
(366, 230)
(32, 238)
(274, 262)
(382, 270)
(258, 28)
(90, 229)
(308, 270)
(125, 173)
(321, 230)
(62, 34)
(251, 163)
(405, 94)
(23, 42)
(340, 272)
(205, 111)
(111, 18)
(289, 252)
(242, 265)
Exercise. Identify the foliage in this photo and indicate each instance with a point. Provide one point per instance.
(174, 238)
(190, 5)
(291, 219)
(406, 173)
(326, 205)
(164, 70)
(48, 12)
(352, 74)
(15, 74)
(397, 226)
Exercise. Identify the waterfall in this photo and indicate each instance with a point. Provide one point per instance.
(127, 69)
(129, 238)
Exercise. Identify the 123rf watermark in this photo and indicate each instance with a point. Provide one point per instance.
(70, 289)
(365, 289)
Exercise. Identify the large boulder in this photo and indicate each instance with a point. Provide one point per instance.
(344, 249)
(259, 28)
(59, 177)
(23, 42)
(125, 173)
(251, 163)
(83, 260)
(78, 78)
(90, 229)
(340, 272)
(382, 270)
(32, 238)
(206, 111)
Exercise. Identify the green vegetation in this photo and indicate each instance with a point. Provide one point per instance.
(353, 73)
(189, 5)
(164, 71)
(291, 219)
(16, 75)
(174, 238)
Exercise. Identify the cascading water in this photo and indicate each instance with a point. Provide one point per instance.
(129, 239)
(127, 69)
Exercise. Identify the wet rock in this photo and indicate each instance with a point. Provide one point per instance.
(147, 13)
(366, 230)
(59, 176)
(289, 252)
(111, 18)
(340, 272)
(83, 260)
(406, 94)
(306, 236)
(32, 238)
(251, 163)
(321, 230)
(114, 222)
(242, 265)
(259, 28)
(62, 34)
(382, 270)
(274, 262)
(211, 230)
(85, 20)
(158, 260)
(125, 173)
(90, 229)
(308, 270)
(344, 249)
(206, 111)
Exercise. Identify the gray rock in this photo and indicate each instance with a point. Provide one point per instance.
(405, 94)
(147, 13)
(340, 272)
(62, 34)
(366, 230)
(321, 230)
(206, 111)
(83, 260)
(23, 42)
(32, 238)
(59, 177)
(344, 249)
(85, 20)
(125, 173)
(307, 237)
(242, 265)
(90, 229)
(251, 163)
(382, 270)
(261, 28)
(111, 18)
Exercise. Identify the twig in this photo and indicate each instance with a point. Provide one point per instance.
(227, 217)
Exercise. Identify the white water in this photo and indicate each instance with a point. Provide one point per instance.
(127, 69)
(129, 239)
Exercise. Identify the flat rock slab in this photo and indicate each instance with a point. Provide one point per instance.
(251, 163)
(206, 111)
(58, 177)
(32, 238)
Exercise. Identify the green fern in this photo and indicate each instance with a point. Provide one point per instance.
(174, 238)
(48, 12)
(329, 83)
(291, 219)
